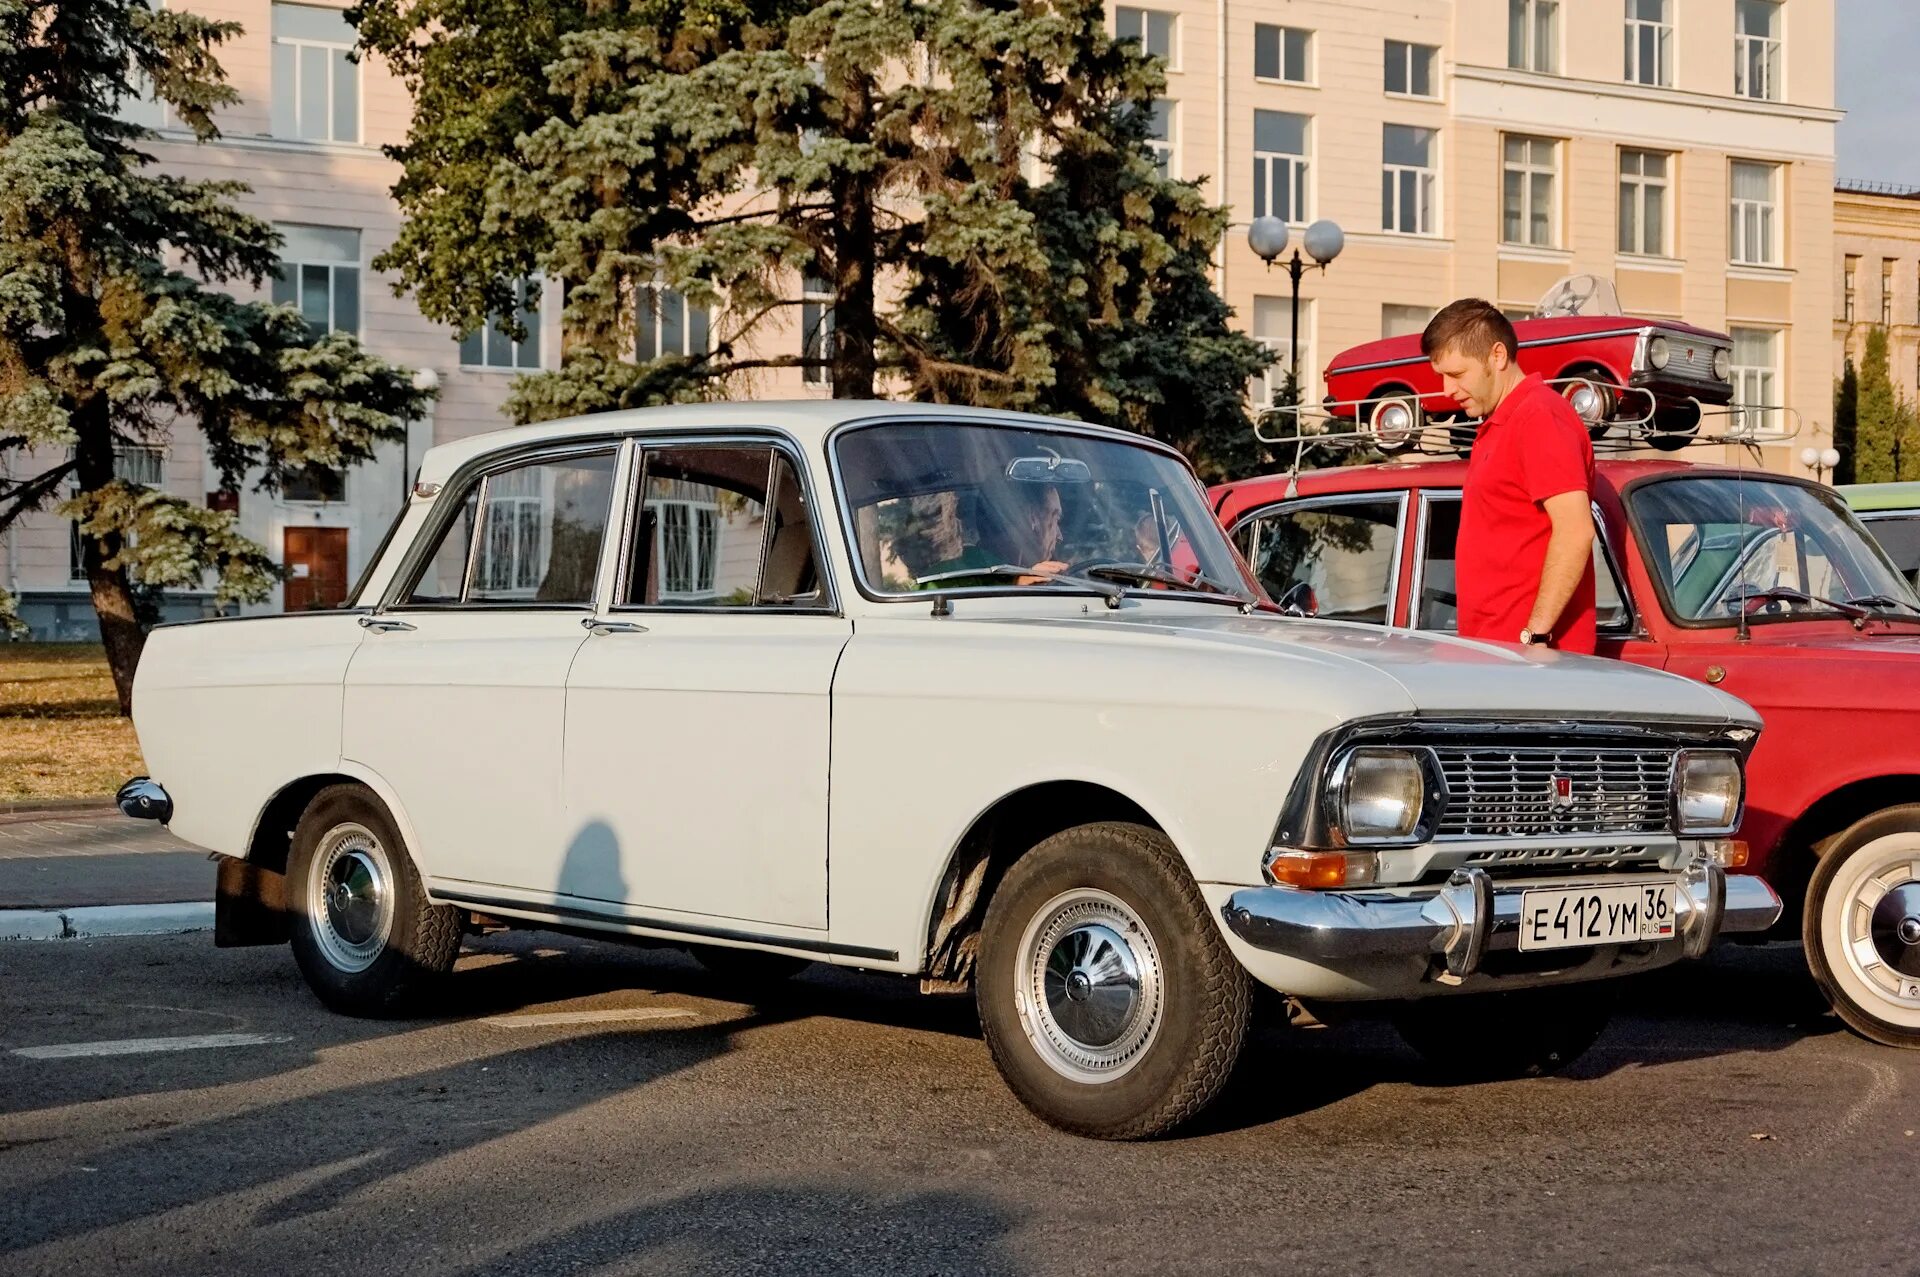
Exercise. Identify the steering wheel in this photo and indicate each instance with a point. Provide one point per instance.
(1299, 600)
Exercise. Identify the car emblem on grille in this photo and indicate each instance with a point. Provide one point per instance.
(1562, 792)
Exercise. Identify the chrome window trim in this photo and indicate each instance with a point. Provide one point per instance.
(1431, 496)
(1011, 421)
(407, 576)
(1372, 497)
(634, 498)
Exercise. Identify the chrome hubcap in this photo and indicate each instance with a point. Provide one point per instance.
(1876, 927)
(1089, 986)
(1895, 928)
(350, 897)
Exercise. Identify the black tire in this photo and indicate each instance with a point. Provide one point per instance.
(1674, 427)
(1869, 849)
(1182, 1027)
(363, 959)
(1488, 1037)
(747, 967)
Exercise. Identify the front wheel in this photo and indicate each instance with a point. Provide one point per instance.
(1107, 995)
(364, 933)
(1486, 1037)
(1861, 926)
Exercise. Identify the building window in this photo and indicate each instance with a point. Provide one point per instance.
(1410, 69)
(1533, 35)
(315, 484)
(1273, 328)
(1280, 165)
(1160, 138)
(1754, 234)
(1649, 42)
(1527, 191)
(668, 324)
(1404, 321)
(1886, 292)
(1756, 49)
(1755, 373)
(492, 344)
(142, 465)
(1644, 189)
(319, 273)
(1406, 180)
(1158, 33)
(816, 330)
(1850, 297)
(1282, 53)
(316, 88)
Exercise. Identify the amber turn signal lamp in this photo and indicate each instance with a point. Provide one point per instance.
(1318, 870)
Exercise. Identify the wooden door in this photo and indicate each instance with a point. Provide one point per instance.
(317, 559)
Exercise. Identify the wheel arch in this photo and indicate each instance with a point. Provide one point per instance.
(272, 838)
(1811, 833)
(1007, 829)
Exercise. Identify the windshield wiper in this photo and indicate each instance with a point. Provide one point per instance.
(1882, 600)
(1787, 594)
(1149, 575)
(1105, 589)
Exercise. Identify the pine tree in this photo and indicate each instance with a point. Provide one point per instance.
(1886, 434)
(110, 333)
(968, 178)
(1846, 423)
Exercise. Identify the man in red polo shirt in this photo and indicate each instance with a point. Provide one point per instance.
(1524, 560)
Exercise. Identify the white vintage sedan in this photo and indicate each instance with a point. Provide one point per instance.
(981, 698)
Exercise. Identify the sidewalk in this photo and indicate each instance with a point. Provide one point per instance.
(59, 861)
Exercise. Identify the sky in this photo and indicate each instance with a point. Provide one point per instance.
(1878, 74)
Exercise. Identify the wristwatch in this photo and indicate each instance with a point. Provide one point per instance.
(1529, 639)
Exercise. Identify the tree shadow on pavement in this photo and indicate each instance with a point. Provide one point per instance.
(775, 1229)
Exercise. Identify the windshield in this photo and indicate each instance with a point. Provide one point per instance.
(1718, 545)
(950, 506)
(1579, 295)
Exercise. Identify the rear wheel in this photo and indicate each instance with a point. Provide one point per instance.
(364, 933)
(1861, 926)
(1593, 396)
(1393, 418)
(1486, 1037)
(1108, 997)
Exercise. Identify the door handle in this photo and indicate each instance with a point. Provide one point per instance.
(600, 625)
(383, 625)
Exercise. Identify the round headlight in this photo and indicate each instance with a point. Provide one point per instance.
(1722, 364)
(1380, 795)
(1707, 790)
(1658, 353)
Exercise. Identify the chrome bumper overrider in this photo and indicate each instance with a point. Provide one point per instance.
(1469, 916)
(143, 799)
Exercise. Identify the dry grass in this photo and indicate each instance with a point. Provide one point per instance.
(61, 734)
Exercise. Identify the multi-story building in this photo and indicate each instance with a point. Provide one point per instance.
(1683, 148)
(1876, 258)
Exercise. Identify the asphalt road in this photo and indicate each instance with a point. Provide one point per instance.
(844, 1124)
(54, 861)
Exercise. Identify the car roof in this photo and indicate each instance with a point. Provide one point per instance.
(1881, 496)
(1396, 476)
(807, 421)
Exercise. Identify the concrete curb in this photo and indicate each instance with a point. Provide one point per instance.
(55, 809)
(100, 921)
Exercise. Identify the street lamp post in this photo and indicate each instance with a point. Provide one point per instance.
(1267, 236)
(1819, 460)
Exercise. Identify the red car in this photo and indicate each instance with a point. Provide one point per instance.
(1760, 584)
(1650, 376)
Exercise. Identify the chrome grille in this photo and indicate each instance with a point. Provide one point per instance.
(1562, 858)
(1512, 793)
(1681, 367)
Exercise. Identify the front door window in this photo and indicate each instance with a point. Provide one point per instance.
(1438, 604)
(1333, 560)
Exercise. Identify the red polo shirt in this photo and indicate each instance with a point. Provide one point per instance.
(1534, 446)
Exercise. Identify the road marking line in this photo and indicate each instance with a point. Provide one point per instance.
(147, 1046)
(585, 1017)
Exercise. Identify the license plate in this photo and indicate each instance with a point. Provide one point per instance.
(1567, 917)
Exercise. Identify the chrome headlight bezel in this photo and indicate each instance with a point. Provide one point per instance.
(1378, 767)
(1722, 364)
(1659, 352)
(1721, 800)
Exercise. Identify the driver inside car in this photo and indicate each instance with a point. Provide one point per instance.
(1036, 526)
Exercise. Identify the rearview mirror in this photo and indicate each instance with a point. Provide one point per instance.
(1048, 470)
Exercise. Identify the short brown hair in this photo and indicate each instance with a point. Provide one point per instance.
(1470, 326)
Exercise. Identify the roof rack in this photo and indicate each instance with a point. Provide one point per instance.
(1620, 419)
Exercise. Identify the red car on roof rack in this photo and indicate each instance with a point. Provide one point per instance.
(1651, 379)
(1760, 584)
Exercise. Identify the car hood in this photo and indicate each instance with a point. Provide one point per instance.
(1435, 674)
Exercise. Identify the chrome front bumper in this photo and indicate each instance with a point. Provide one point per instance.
(143, 799)
(1467, 918)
